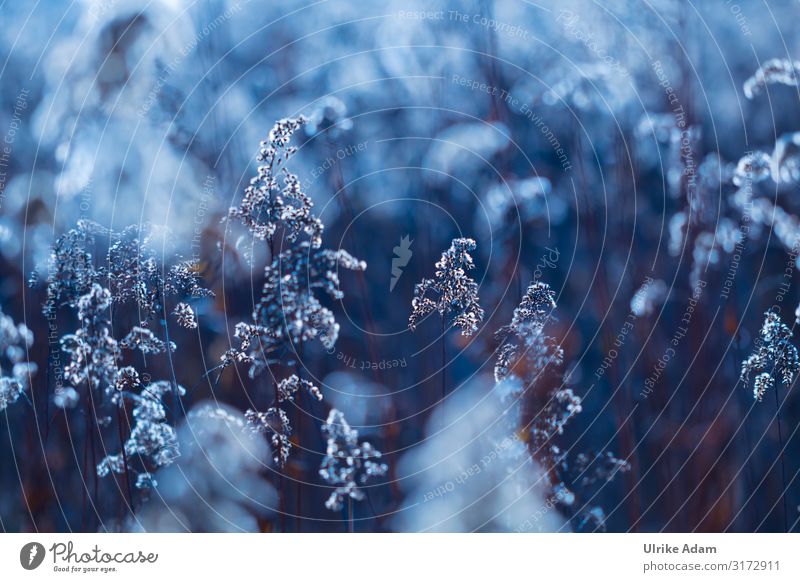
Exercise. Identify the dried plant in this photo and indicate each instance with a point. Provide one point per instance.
(288, 387)
(152, 443)
(131, 271)
(218, 482)
(131, 274)
(15, 370)
(185, 316)
(275, 421)
(135, 274)
(268, 206)
(597, 180)
(348, 464)
(92, 350)
(288, 311)
(524, 338)
(774, 354)
(451, 292)
(525, 354)
(143, 339)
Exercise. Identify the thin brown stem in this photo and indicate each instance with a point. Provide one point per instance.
(783, 463)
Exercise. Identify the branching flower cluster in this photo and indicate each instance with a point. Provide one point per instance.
(131, 271)
(93, 352)
(152, 441)
(288, 387)
(774, 355)
(451, 291)
(143, 339)
(185, 316)
(132, 274)
(719, 236)
(524, 355)
(348, 464)
(523, 342)
(288, 310)
(267, 205)
(275, 421)
(135, 274)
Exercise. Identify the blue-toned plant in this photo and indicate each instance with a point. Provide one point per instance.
(348, 464)
(452, 293)
(274, 200)
(288, 312)
(526, 357)
(130, 274)
(15, 370)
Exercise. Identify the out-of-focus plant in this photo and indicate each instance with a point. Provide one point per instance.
(15, 370)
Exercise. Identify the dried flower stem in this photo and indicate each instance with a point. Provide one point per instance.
(124, 458)
(350, 523)
(783, 463)
(444, 360)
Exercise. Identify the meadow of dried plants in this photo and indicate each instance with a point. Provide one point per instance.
(404, 266)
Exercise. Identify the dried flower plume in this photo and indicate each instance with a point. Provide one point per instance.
(347, 465)
(451, 291)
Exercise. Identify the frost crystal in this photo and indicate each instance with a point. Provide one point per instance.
(266, 205)
(347, 464)
(452, 290)
(774, 354)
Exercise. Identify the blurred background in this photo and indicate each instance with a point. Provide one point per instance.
(589, 145)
